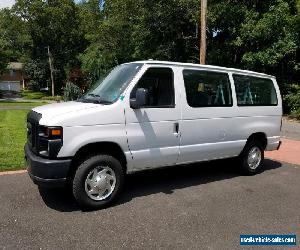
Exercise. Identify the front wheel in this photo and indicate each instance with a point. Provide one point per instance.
(98, 181)
(251, 158)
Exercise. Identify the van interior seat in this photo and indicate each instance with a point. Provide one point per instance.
(200, 99)
(165, 92)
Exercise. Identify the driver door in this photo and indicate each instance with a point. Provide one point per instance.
(152, 130)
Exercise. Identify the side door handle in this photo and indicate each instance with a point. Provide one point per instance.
(176, 128)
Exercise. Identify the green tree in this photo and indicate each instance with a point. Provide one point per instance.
(166, 30)
(251, 34)
(130, 30)
(15, 41)
(53, 23)
(36, 71)
(108, 35)
(258, 35)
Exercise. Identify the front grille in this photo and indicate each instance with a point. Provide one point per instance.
(33, 119)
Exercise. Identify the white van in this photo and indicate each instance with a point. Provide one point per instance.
(151, 114)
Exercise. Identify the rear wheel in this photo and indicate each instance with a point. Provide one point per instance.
(98, 181)
(251, 158)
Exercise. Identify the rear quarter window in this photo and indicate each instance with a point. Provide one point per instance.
(254, 91)
(207, 88)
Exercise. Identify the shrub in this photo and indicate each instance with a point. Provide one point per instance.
(33, 85)
(292, 100)
(71, 92)
(295, 114)
(56, 98)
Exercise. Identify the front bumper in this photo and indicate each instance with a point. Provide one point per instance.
(46, 172)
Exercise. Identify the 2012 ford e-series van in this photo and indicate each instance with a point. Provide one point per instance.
(151, 114)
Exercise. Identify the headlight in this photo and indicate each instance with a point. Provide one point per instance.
(50, 132)
(50, 141)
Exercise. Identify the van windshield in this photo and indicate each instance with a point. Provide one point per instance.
(109, 89)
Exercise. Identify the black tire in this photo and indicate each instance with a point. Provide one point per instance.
(245, 167)
(80, 177)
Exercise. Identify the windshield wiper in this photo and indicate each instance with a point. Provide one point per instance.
(93, 101)
(84, 99)
(93, 95)
(105, 102)
(96, 99)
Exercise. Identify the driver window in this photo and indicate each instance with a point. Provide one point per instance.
(160, 85)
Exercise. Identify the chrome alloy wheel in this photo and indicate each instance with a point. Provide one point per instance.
(100, 183)
(254, 157)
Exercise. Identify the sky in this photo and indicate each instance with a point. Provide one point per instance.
(6, 3)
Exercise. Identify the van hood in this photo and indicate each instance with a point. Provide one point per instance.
(57, 109)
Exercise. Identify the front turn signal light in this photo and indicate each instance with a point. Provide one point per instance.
(55, 132)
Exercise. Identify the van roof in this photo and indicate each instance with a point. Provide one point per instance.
(202, 66)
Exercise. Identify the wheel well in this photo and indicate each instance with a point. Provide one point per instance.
(261, 137)
(109, 148)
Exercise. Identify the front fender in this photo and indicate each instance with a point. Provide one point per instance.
(79, 136)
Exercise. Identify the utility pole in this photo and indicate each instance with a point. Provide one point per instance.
(51, 71)
(203, 11)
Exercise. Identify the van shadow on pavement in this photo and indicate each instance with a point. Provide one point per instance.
(164, 180)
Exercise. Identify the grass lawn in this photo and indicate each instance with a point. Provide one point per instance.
(29, 94)
(29, 104)
(12, 139)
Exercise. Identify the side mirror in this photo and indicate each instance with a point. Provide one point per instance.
(141, 98)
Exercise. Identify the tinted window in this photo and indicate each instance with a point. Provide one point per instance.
(159, 83)
(207, 89)
(254, 91)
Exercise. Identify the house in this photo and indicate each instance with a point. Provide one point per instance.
(13, 78)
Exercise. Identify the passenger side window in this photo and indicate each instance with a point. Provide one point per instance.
(207, 88)
(160, 86)
(254, 91)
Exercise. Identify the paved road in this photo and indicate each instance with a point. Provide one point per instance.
(204, 206)
(290, 129)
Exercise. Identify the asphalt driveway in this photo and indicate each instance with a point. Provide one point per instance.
(203, 206)
(290, 129)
